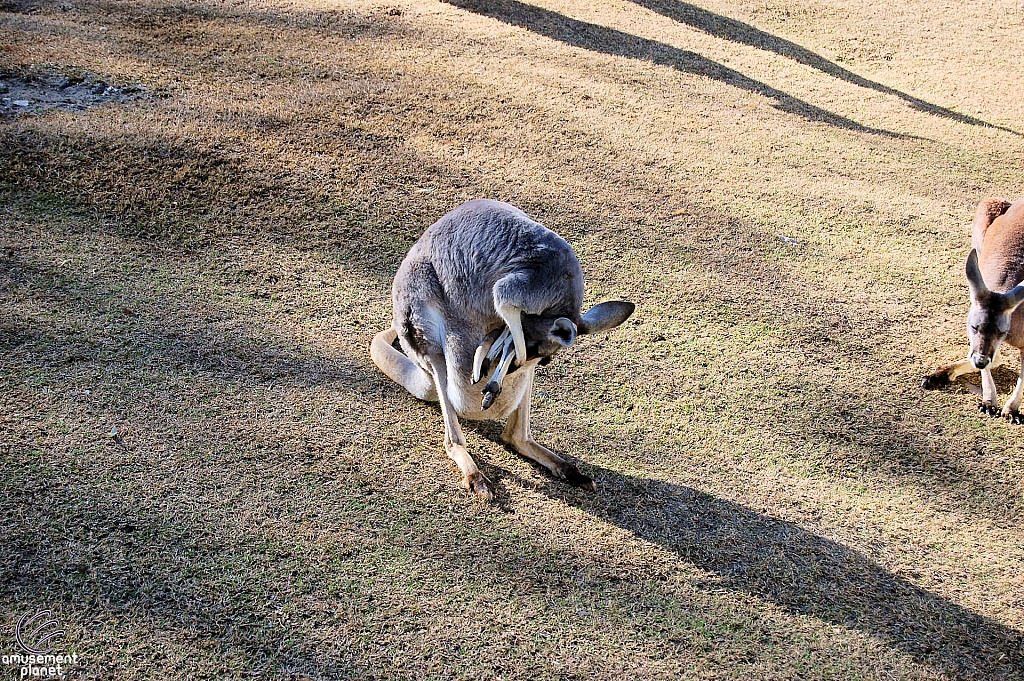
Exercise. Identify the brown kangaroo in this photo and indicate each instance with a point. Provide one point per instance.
(995, 267)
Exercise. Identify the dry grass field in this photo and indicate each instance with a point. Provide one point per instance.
(203, 476)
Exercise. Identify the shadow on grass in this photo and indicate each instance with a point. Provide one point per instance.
(180, 194)
(205, 199)
(598, 38)
(116, 533)
(798, 570)
(773, 560)
(174, 594)
(745, 34)
(97, 329)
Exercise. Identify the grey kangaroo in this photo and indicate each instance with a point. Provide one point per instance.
(995, 267)
(486, 289)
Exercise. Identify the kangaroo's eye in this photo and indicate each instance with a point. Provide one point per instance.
(974, 329)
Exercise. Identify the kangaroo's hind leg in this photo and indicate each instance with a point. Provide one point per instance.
(400, 368)
(517, 435)
(454, 441)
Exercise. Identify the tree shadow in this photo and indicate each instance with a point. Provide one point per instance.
(739, 32)
(605, 40)
(145, 571)
(179, 342)
(797, 570)
(213, 198)
(210, 215)
(187, 581)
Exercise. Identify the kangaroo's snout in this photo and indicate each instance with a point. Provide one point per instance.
(980, 361)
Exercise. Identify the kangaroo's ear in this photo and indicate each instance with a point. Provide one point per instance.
(563, 331)
(974, 279)
(1014, 297)
(607, 315)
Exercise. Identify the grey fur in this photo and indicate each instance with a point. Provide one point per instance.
(483, 266)
(478, 257)
(606, 315)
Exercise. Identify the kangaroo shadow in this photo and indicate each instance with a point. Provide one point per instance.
(793, 568)
(598, 38)
(739, 32)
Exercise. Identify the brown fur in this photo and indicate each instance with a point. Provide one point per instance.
(994, 270)
(998, 235)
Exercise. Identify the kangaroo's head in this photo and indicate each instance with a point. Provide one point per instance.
(546, 334)
(988, 322)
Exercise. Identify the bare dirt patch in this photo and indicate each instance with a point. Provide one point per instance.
(34, 93)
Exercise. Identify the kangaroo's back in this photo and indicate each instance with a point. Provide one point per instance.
(479, 266)
(998, 236)
(481, 242)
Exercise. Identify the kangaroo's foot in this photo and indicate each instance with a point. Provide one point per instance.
(472, 479)
(944, 375)
(559, 467)
(1013, 416)
(479, 485)
(936, 380)
(989, 408)
(572, 475)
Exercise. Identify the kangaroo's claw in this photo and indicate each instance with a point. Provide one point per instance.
(1014, 417)
(568, 472)
(489, 396)
(478, 484)
(989, 409)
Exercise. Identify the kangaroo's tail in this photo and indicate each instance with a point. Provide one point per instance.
(400, 368)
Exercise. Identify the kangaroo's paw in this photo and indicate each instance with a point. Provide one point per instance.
(479, 485)
(935, 380)
(490, 393)
(1013, 416)
(989, 408)
(568, 472)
